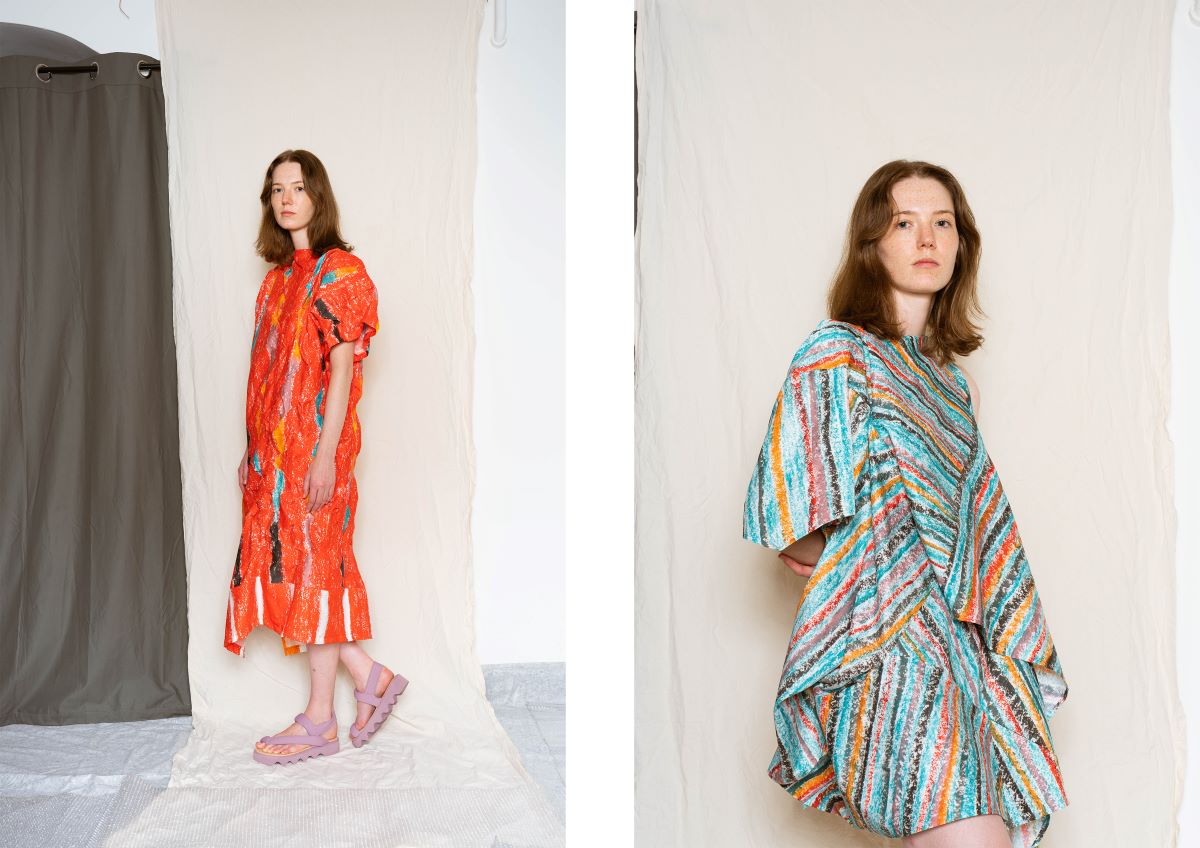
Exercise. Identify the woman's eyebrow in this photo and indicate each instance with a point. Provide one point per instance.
(911, 212)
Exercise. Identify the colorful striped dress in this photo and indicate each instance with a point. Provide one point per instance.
(920, 674)
(295, 571)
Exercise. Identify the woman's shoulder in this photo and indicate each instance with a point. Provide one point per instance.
(965, 381)
(336, 259)
(831, 344)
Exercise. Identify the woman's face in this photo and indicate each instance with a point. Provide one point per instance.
(290, 202)
(921, 243)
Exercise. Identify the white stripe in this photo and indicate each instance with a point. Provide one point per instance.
(233, 637)
(346, 614)
(324, 619)
(258, 601)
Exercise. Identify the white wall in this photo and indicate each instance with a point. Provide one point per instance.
(518, 522)
(1184, 422)
(99, 25)
(518, 515)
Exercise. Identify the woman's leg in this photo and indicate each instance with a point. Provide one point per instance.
(358, 662)
(976, 832)
(322, 667)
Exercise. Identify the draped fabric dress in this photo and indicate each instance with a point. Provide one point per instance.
(920, 675)
(295, 572)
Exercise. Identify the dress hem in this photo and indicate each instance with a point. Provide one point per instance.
(300, 616)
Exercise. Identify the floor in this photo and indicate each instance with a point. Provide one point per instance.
(530, 702)
(54, 781)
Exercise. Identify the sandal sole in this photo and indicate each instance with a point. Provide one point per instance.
(299, 756)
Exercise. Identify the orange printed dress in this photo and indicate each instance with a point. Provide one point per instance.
(294, 571)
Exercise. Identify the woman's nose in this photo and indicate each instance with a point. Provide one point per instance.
(925, 236)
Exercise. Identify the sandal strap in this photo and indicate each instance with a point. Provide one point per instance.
(314, 729)
(311, 741)
(374, 700)
(366, 694)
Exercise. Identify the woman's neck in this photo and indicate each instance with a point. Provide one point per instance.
(912, 311)
(300, 239)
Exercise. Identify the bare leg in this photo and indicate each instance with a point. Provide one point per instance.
(976, 832)
(358, 662)
(322, 666)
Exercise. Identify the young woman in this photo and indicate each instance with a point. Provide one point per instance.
(295, 570)
(920, 674)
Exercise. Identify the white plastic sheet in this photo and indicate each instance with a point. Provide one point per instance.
(383, 92)
(759, 123)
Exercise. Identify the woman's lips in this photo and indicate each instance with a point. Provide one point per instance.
(926, 263)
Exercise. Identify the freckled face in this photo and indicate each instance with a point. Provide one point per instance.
(921, 243)
(290, 202)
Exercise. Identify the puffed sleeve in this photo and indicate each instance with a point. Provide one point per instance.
(815, 449)
(345, 304)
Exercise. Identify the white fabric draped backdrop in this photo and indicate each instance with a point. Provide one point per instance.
(384, 93)
(758, 124)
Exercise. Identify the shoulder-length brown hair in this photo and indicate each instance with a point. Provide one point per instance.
(861, 290)
(274, 242)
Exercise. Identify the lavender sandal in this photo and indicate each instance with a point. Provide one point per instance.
(317, 744)
(383, 705)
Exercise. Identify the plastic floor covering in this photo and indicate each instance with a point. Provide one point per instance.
(87, 785)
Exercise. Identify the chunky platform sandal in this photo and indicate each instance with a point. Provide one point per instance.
(383, 705)
(317, 744)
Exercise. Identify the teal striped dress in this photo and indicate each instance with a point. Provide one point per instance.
(920, 675)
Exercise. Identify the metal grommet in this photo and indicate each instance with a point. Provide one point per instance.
(143, 71)
(37, 72)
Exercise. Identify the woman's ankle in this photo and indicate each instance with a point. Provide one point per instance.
(318, 715)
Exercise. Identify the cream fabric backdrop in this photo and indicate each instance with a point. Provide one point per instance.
(759, 124)
(384, 93)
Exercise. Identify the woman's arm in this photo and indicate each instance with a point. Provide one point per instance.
(802, 555)
(318, 482)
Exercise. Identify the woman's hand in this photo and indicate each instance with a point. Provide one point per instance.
(797, 566)
(802, 555)
(318, 482)
(244, 469)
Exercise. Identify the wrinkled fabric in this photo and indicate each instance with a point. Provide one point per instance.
(920, 675)
(758, 124)
(384, 94)
(295, 570)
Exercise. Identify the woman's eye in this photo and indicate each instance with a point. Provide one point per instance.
(902, 225)
(945, 222)
(299, 188)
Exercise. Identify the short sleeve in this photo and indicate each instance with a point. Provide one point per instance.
(815, 448)
(345, 304)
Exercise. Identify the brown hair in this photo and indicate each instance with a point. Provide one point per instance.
(274, 242)
(861, 290)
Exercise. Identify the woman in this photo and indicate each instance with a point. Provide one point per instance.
(920, 674)
(295, 570)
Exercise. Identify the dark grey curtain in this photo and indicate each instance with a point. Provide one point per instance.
(93, 623)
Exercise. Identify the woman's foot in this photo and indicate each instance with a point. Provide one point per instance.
(381, 685)
(297, 730)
